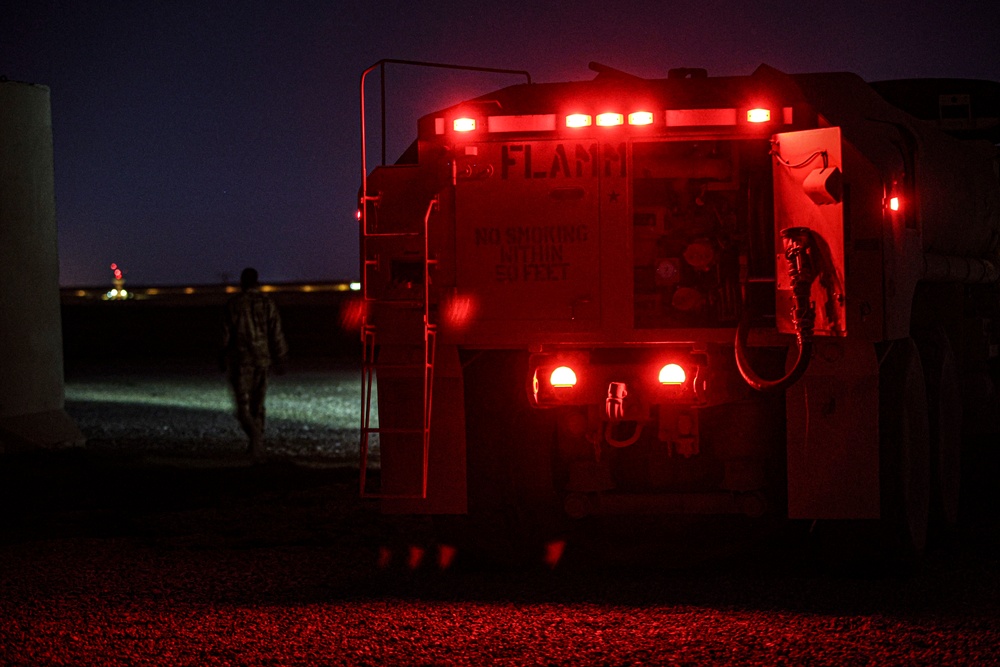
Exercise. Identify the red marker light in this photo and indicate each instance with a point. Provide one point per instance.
(672, 374)
(563, 377)
(578, 120)
(759, 115)
(640, 118)
(609, 119)
(894, 204)
(464, 124)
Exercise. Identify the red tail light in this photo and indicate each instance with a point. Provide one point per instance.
(672, 374)
(564, 376)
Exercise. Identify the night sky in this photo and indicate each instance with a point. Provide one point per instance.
(193, 138)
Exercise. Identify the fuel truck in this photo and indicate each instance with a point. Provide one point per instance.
(755, 296)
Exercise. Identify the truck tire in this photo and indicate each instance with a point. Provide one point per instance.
(904, 454)
(944, 412)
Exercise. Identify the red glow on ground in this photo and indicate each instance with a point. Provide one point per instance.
(446, 556)
(414, 557)
(554, 553)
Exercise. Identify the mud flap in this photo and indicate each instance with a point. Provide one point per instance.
(832, 434)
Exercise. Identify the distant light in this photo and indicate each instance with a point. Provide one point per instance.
(578, 120)
(609, 119)
(640, 118)
(894, 204)
(189, 290)
(564, 376)
(759, 115)
(672, 374)
(355, 287)
(464, 124)
(357, 215)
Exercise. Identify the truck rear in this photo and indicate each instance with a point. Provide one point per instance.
(749, 296)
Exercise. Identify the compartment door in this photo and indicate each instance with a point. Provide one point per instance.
(809, 192)
(527, 232)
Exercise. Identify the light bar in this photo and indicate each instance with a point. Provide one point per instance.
(464, 124)
(609, 119)
(759, 115)
(578, 120)
(640, 118)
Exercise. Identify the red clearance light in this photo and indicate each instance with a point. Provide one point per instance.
(640, 118)
(609, 119)
(759, 115)
(464, 124)
(672, 374)
(578, 120)
(563, 377)
(894, 204)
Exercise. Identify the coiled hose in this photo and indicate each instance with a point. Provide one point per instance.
(798, 245)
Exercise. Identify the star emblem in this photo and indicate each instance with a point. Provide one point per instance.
(613, 197)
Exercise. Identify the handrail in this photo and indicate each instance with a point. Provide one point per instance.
(418, 63)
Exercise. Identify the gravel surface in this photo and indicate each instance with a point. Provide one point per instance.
(161, 546)
(186, 410)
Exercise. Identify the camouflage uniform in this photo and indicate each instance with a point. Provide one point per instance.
(251, 341)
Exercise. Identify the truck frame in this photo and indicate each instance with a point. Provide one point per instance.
(764, 295)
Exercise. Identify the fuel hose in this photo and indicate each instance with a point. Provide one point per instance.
(798, 246)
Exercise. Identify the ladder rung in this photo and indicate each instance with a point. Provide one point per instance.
(401, 303)
(394, 431)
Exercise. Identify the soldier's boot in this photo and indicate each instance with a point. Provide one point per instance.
(256, 449)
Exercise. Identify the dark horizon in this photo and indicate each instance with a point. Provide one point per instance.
(194, 139)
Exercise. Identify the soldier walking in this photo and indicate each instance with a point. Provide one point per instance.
(252, 341)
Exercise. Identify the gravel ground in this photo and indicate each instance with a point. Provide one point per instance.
(160, 546)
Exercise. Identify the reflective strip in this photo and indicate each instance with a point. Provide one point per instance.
(694, 117)
(530, 123)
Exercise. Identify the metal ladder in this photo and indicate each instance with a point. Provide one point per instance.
(371, 366)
